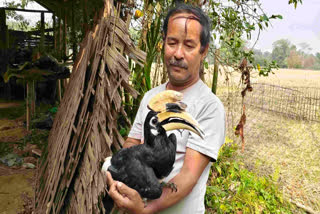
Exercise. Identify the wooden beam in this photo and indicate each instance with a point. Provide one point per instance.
(25, 10)
(49, 5)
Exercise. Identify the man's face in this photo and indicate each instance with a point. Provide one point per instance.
(182, 50)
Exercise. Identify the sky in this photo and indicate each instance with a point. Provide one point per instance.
(31, 17)
(300, 25)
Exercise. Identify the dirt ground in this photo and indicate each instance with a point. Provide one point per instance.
(16, 189)
(16, 182)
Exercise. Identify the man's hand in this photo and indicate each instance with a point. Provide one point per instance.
(124, 197)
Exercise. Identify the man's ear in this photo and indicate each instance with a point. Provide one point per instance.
(205, 52)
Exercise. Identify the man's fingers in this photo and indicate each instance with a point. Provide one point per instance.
(127, 191)
(110, 180)
(123, 196)
(119, 199)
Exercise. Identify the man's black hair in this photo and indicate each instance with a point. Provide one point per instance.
(200, 16)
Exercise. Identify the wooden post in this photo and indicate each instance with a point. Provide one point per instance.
(54, 23)
(28, 109)
(58, 43)
(4, 45)
(59, 90)
(64, 33)
(42, 33)
(3, 30)
(74, 39)
(215, 72)
(33, 99)
(85, 17)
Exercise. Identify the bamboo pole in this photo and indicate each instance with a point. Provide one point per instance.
(215, 72)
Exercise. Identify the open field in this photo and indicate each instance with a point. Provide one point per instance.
(291, 77)
(283, 148)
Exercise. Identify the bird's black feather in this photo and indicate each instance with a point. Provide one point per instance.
(141, 166)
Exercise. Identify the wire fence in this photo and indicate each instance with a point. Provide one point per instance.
(295, 102)
(282, 136)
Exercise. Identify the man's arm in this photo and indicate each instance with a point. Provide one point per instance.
(129, 199)
(131, 142)
(186, 179)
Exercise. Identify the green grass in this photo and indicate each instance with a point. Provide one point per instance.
(37, 137)
(232, 188)
(12, 113)
(5, 148)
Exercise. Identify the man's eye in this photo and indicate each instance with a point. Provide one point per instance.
(189, 46)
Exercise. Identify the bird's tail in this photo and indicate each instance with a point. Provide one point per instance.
(106, 164)
(107, 200)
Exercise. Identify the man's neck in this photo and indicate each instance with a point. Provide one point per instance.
(170, 86)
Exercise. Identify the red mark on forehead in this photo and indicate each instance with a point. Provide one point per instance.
(189, 17)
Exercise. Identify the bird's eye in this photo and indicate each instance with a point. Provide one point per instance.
(154, 121)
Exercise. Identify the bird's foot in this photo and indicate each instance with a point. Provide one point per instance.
(172, 186)
(145, 201)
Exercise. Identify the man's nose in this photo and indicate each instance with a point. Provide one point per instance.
(179, 53)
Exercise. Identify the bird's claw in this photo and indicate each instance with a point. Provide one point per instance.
(145, 201)
(172, 186)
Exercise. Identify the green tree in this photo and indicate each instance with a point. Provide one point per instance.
(280, 52)
(262, 58)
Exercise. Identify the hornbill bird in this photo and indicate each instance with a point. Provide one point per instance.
(142, 166)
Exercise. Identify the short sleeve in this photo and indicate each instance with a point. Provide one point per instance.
(211, 117)
(136, 131)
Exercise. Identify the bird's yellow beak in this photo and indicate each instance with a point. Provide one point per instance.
(171, 112)
(179, 120)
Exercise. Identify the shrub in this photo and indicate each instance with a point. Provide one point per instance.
(233, 189)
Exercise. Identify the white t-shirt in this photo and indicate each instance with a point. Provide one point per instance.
(208, 110)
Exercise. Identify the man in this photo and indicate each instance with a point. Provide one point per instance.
(186, 42)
